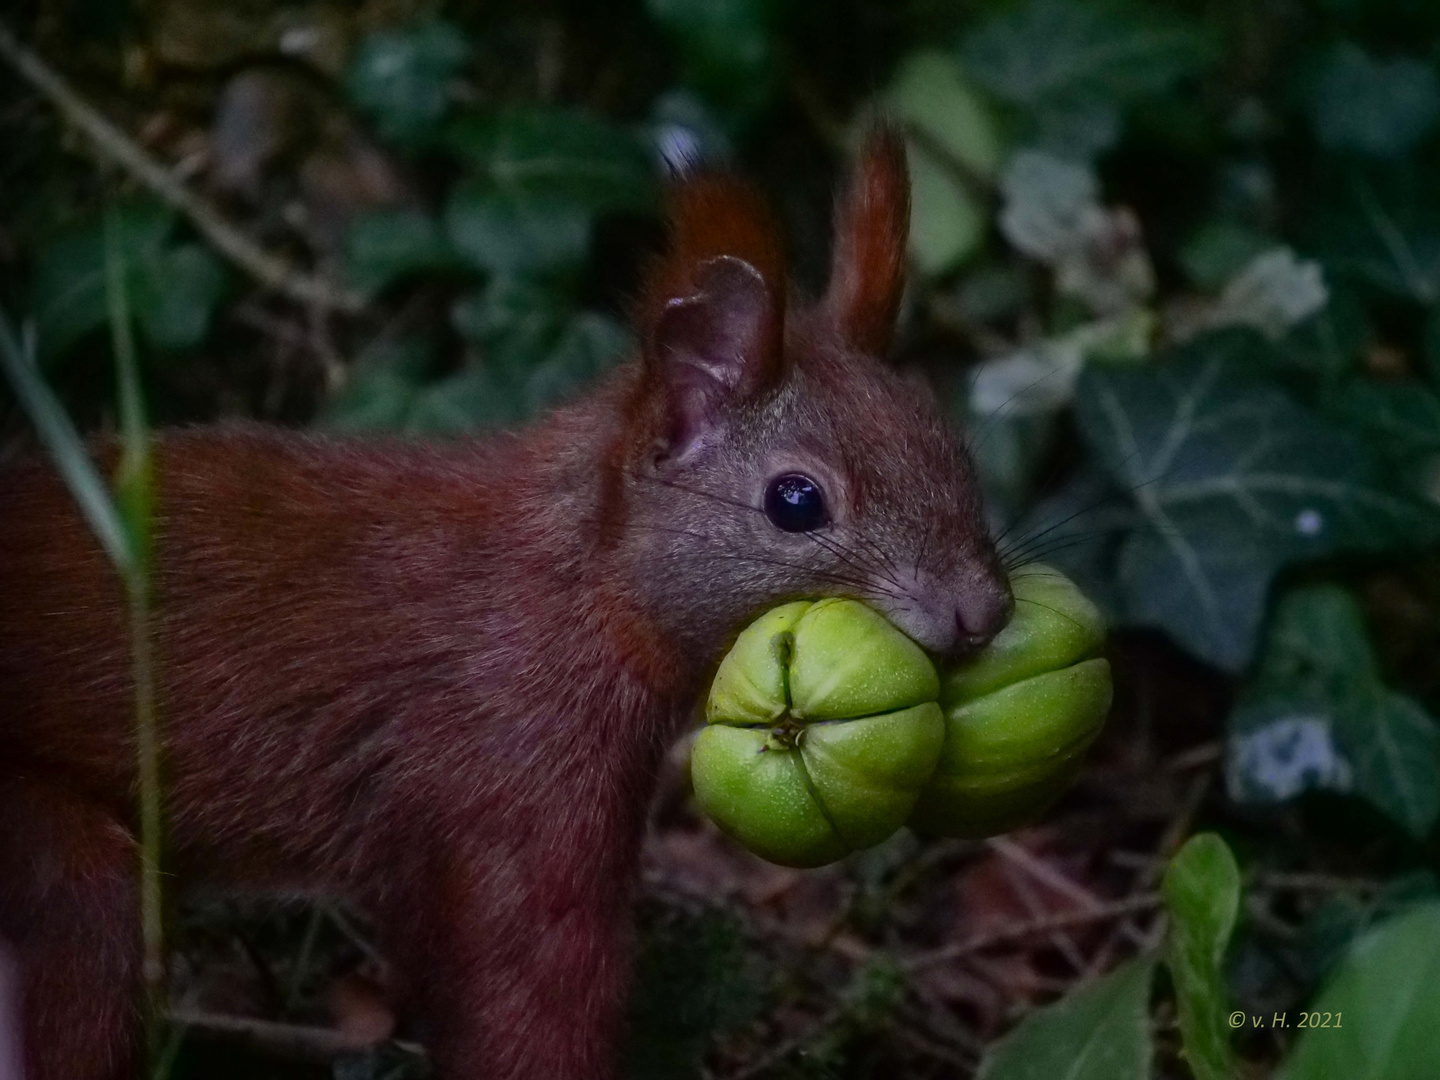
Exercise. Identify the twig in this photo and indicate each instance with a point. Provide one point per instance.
(777, 1054)
(270, 270)
(295, 1042)
(1279, 881)
(1016, 932)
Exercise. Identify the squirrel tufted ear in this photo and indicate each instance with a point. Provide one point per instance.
(714, 314)
(872, 224)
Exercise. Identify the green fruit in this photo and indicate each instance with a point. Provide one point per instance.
(1020, 715)
(821, 729)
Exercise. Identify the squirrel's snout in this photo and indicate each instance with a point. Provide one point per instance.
(953, 619)
(980, 617)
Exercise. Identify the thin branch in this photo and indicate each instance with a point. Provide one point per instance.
(777, 1054)
(1017, 932)
(112, 143)
(294, 1042)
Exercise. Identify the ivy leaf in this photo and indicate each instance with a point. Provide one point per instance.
(1098, 1032)
(468, 401)
(541, 177)
(387, 245)
(1073, 66)
(1318, 717)
(402, 78)
(173, 288)
(1394, 745)
(930, 96)
(557, 156)
(1233, 480)
(1404, 417)
(1377, 107)
(515, 321)
(1202, 893)
(381, 386)
(1384, 1001)
(1219, 250)
(946, 227)
(174, 295)
(513, 232)
(591, 345)
(726, 47)
(1384, 234)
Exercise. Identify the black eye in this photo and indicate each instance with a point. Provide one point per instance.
(795, 503)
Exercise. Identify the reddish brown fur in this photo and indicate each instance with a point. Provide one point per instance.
(437, 681)
(872, 221)
(714, 216)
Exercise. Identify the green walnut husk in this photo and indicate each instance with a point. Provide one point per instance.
(1019, 717)
(822, 727)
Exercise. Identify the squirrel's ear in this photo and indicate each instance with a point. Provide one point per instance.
(714, 314)
(872, 223)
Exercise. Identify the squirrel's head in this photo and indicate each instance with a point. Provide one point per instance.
(771, 454)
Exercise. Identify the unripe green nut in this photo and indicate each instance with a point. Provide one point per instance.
(822, 727)
(1019, 717)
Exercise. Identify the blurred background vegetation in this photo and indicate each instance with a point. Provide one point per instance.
(1176, 272)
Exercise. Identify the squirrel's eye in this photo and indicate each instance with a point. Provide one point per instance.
(795, 503)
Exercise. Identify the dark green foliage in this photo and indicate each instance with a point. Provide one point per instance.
(174, 287)
(1099, 1032)
(1318, 716)
(402, 78)
(695, 980)
(1232, 480)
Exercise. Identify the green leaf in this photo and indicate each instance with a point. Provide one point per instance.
(1331, 930)
(1202, 893)
(1318, 717)
(591, 345)
(468, 401)
(946, 227)
(508, 232)
(557, 156)
(930, 96)
(134, 473)
(1403, 417)
(1328, 347)
(1384, 1004)
(174, 289)
(1382, 234)
(1234, 480)
(726, 47)
(402, 78)
(175, 295)
(515, 320)
(1394, 746)
(1368, 106)
(1097, 1032)
(1317, 644)
(1219, 251)
(1431, 347)
(387, 245)
(1072, 66)
(381, 386)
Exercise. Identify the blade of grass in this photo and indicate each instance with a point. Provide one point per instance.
(66, 448)
(134, 485)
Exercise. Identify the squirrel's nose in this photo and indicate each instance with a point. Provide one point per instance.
(980, 615)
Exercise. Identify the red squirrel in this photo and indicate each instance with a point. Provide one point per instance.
(437, 680)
